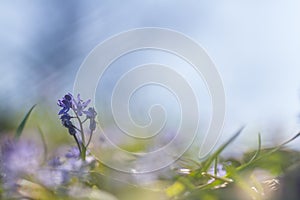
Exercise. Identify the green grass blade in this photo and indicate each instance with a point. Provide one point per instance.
(261, 156)
(216, 166)
(210, 160)
(279, 147)
(258, 149)
(23, 123)
(290, 140)
(44, 143)
(256, 155)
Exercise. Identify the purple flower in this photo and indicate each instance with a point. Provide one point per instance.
(80, 105)
(65, 117)
(65, 103)
(91, 114)
(66, 122)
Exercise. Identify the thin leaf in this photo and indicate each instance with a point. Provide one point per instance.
(290, 140)
(269, 152)
(258, 149)
(23, 123)
(279, 147)
(216, 166)
(257, 153)
(210, 160)
(44, 143)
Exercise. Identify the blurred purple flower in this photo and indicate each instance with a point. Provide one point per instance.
(55, 162)
(80, 105)
(53, 177)
(60, 170)
(73, 153)
(18, 158)
(65, 103)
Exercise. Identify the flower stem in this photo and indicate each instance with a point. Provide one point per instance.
(83, 147)
(77, 142)
(84, 120)
(88, 143)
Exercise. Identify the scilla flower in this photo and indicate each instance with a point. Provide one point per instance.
(78, 106)
(65, 103)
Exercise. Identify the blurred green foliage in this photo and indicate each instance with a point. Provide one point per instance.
(263, 173)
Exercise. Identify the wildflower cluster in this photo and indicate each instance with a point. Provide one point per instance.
(79, 107)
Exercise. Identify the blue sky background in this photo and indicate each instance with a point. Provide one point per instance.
(254, 44)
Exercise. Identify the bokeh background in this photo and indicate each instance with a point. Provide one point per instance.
(254, 44)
